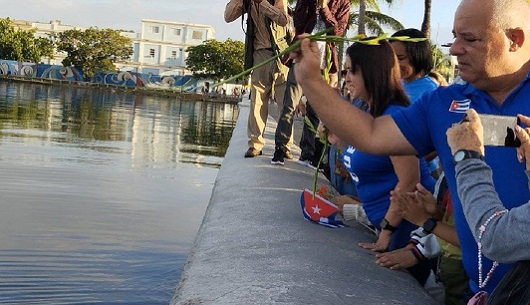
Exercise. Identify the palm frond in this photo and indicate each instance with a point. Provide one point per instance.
(376, 22)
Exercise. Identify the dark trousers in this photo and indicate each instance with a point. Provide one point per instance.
(307, 142)
(292, 95)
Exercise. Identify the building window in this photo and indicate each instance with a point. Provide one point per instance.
(197, 35)
(175, 31)
(152, 53)
(173, 55)
(155, 29)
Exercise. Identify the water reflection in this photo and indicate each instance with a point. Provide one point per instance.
(101, 192)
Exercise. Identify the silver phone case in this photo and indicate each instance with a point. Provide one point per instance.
(499, 130)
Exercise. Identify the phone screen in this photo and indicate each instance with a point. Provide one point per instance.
(498, 130)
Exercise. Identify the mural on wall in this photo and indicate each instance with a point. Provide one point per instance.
(134, 79)
(129, 79)
(28, 69)
(183, 83)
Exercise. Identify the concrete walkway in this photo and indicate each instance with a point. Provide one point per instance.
(255, 247)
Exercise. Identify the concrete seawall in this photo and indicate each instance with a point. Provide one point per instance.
(255, 247)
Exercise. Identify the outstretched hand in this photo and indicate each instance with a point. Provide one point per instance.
(397, 259)
(382, 243)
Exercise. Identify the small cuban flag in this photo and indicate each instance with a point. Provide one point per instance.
(460, 106)
(319, 210)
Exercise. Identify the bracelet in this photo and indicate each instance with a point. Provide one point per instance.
(417, 254)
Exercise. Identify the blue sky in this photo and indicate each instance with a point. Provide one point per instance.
(126, 14)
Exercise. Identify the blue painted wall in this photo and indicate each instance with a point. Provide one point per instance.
(28, 69)
(128, 79)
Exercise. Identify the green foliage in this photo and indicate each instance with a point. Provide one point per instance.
(93, 50)
(442, 62)
(375, 22)
(216, 59)
(22, 45)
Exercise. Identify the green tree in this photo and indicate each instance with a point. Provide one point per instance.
(442, 62)
(21, 45)
(93, 50)
(216, 59)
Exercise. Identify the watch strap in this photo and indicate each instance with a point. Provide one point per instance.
(464, 154)
(385, 225)
(429, 225)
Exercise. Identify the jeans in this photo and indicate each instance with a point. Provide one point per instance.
(293, 93)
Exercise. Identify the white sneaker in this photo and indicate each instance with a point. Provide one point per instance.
(304, 162)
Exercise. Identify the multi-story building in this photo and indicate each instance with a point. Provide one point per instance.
(160, 47)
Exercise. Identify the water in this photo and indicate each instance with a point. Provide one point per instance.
(102, 193)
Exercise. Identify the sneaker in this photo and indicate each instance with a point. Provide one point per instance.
(309, 163)
(312, 164)
(252, 152)
(303, 161)
(279, 156)
(288, 155)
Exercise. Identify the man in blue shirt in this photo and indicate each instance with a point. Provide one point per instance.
(492, 46)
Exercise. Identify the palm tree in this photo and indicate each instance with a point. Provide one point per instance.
(372, 19)
(426, 24)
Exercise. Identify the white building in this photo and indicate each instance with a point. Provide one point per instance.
(160, 47)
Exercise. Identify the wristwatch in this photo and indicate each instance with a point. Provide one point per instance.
(385, 225)
(464, 154)
(429, 225)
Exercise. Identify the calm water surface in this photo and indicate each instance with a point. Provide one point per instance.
(102, 193)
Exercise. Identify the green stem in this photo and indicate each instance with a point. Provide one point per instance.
(288, 50)
(320, 36)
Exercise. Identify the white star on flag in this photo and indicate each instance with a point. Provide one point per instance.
(316, 209)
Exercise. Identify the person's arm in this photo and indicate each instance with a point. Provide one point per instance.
(374, 136)
(337, 20)
(233, 10)
(506, 236)
(277, 12)
(407, 172)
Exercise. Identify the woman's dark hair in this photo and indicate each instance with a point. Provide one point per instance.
(419, 53)
(381, 76)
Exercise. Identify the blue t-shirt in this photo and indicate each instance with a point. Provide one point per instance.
(342, 185)
(417, 87)
(375, 178)
(424, 124)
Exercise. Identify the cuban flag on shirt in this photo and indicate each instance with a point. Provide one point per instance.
(460, 106)
(319, 210)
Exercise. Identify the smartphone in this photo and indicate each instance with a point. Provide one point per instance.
(498, 130)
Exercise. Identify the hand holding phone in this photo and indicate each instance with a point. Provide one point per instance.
(467, 134)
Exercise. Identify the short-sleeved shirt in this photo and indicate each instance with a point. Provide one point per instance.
(424, 125)
(375, 178)
(417, 87)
